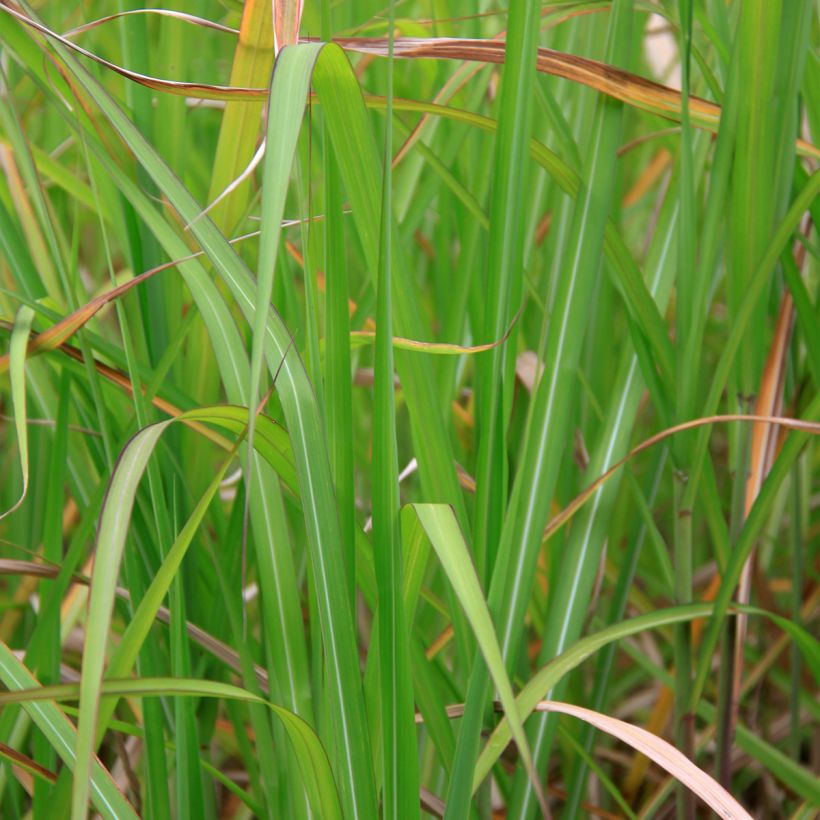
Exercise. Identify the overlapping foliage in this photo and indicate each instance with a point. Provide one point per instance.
(370, 404)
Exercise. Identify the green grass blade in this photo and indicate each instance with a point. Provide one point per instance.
(359, 164)
(294, 67)
(580, 559)
(111, 535)
(310, 456)
(125, 654)
(59, 730)
(546, 679)
(536, 482)
(315, 770)
(17, 369)
(113, 528)
(399, 754)
(743, 548)
(447, 539)
(744, 314)
(504, 276)
(288, 95)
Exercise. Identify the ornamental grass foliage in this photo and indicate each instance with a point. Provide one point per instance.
(409, 409)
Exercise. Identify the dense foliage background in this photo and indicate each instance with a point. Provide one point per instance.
(491, 281)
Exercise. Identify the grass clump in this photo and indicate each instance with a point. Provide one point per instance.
(384, 385)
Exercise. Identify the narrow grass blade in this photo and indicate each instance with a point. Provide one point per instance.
(546, 679)
(289, 87)
(112, 531)
(111, 534)
(240, 126)
(310, 455)
(62, 735)
(445, 535)
(287, 14)
(662, 753)
(505, 275)
(743, 548)
(359, 165)
(315, 769)
(399, 752)
(608, 79)
(17, 365)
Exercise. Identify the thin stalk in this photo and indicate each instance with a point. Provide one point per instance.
(339, 406)
(683, 560)
(399, 759)
(504, 275)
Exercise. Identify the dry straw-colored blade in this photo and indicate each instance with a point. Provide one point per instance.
(614, 82)
(234, 184)
(63, 330)
(202, 91)
(287, 14)
(119, 378)
(24, 763)
(631, 89)
(177, 15)
(436, 348)
(662, 753)
(573, 507)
